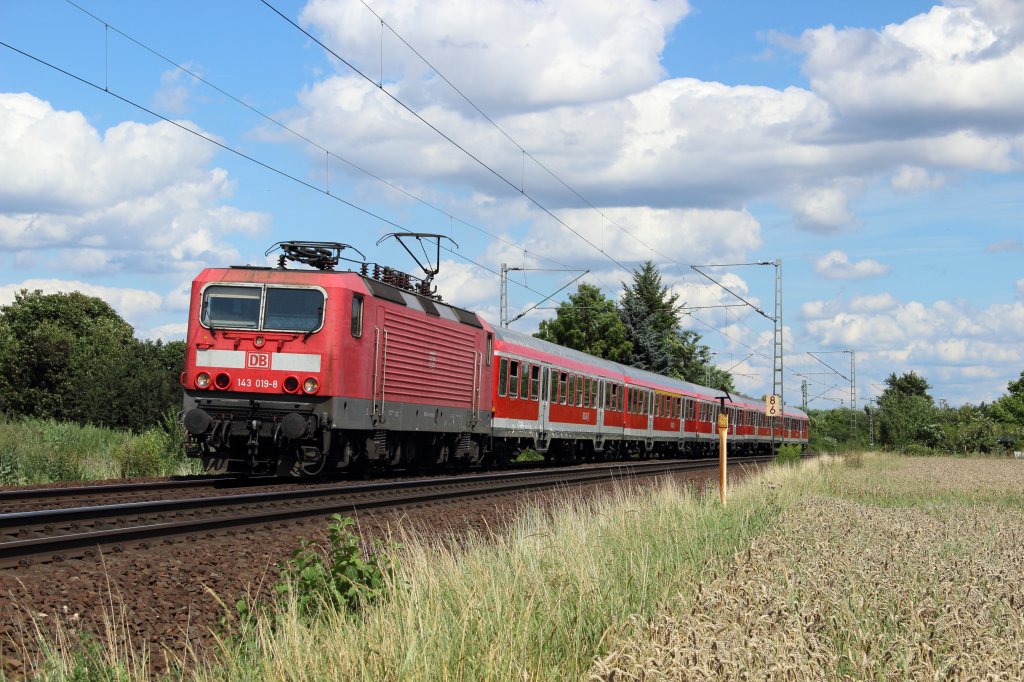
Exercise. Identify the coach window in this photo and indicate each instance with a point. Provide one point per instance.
(524, 382)
(502, 376)
(513, 378)
(357, 316)
(586, 391)
(534, 382)
(579, 391)
(563, 386)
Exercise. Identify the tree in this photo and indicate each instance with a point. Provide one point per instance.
(1009, 409)
(590, 323)
(907, 414)
(69, 356)
(909, 384)
(651, 317)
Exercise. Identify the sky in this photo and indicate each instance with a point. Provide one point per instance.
(874, 150)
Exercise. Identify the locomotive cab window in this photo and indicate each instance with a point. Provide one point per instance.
(293, 310)
(234, 307)
(357, 316)
(262, 308)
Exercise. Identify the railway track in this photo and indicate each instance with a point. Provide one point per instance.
(18, 500)
(73, 532)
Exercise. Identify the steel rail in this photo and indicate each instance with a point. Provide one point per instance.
(23, 494)
(310, 503)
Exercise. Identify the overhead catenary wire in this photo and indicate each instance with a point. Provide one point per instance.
(299, 135)
(241, 154)
(440, 132)
(526, 154)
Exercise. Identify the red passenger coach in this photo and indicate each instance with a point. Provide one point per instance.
(300, 371)
(570, 406)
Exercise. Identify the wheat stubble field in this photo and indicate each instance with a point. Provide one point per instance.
(893, 568)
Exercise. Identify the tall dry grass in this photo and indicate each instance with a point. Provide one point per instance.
(537, 603)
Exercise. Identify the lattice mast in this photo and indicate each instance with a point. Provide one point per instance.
(777, 369)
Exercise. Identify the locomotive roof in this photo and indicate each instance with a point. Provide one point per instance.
(511, 336)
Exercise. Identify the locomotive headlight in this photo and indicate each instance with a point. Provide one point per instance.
(311, 385)
(202, 380)
(259, 341)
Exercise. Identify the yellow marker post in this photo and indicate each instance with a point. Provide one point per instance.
(723, 431)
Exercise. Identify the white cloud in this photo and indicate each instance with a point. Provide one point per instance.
(137, 197)
(670, 235)
(947, 341)
(132, 304)
(836, 265)
(959, 66)
(1020, 288)
(824, 209)
(907, 104)
(916, 179)
(507, 54)
(467, 286)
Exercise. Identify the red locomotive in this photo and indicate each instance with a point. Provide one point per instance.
(305, 371)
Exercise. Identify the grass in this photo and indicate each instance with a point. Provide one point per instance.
(866, 567)
(35, 451)
(536, 603)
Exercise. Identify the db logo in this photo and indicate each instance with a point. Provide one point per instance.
(257, 360)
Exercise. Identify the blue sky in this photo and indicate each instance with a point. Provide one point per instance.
(875, 148)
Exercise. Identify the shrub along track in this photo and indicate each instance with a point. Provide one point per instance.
(171, 595)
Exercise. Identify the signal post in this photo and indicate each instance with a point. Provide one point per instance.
(723, 432)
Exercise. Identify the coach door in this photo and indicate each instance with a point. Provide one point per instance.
(600, 411)
(545, 393)
(650, 413)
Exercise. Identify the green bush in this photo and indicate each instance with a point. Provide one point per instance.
(48, 451)
(788, 454)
